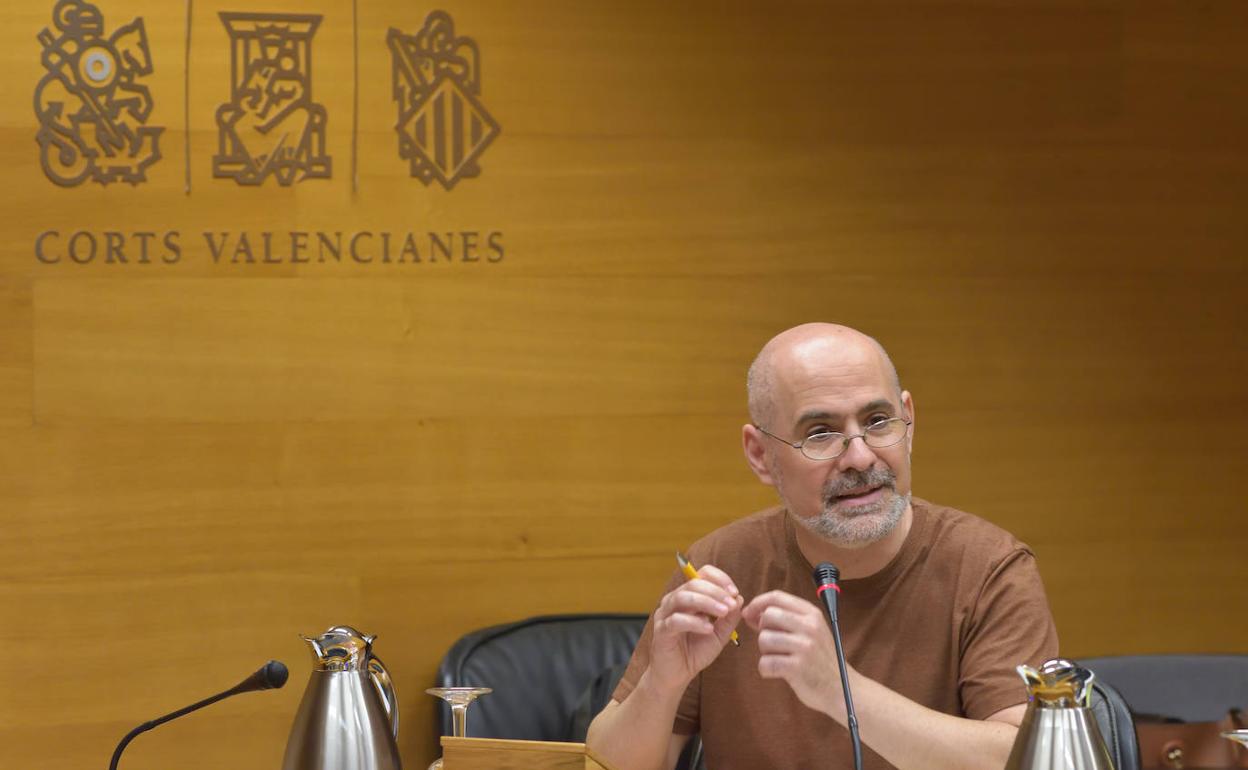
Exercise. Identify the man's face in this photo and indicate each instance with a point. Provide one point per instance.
(859, 497)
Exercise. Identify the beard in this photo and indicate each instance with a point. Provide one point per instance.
(854, 526)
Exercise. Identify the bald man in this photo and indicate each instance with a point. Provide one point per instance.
(937, 606)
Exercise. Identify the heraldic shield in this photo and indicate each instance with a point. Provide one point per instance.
(270, 126)
(443, 127)
(91, 110)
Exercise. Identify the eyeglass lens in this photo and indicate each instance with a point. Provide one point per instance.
(825, 446)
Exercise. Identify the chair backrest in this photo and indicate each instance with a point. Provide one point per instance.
(540, 668)
(1113, 718)
(1194, 688)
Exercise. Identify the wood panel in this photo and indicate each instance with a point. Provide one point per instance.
(1037, 206)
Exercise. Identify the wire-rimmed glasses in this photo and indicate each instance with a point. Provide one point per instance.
(829, 445)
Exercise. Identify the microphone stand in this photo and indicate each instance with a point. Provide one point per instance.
(851, 717)
(161, 720)
(271, 676)
(826, 576)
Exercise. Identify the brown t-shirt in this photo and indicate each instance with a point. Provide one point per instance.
(944, 624)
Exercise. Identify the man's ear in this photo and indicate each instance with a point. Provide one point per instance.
(907, 403)
(756, 453)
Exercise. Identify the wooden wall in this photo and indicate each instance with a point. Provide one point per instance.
(1037, 206)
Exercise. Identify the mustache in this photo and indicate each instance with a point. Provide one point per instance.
(855, 479)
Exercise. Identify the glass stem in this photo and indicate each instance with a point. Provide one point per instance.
(459, 718)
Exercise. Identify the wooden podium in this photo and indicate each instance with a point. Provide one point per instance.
(497, 754)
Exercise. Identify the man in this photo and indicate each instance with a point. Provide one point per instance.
(937, 607)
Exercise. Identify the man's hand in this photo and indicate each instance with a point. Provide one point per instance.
(691, 626)
(795, 644)
(688, 631)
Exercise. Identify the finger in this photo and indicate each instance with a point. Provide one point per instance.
(784, 600)
(786, 620)
(778, 599)
(713, 574)
(771, 617)
(685, 623)
(775, 642)
(709, 588)
(775, 666)
(756, 606)
(694, 602)
(804, 624)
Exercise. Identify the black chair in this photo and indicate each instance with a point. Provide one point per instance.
(1193, 688)
(1113, 718)
(550, 674)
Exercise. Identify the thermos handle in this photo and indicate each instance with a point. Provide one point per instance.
(381, 680)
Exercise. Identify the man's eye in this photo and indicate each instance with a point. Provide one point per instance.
(822, 437)
(878, 419)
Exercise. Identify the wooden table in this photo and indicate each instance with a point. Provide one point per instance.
(497, 754)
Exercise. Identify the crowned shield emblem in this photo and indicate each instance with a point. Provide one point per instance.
(443, 127)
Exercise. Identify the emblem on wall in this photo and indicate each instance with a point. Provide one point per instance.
(270, 126)
(92, 112)
(443, 127)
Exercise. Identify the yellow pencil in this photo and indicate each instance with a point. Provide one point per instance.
(692, 574)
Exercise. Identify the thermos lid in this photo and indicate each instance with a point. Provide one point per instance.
(340, 648)
(1058, 683)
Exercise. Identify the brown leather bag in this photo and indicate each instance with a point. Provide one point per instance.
(1169, 745)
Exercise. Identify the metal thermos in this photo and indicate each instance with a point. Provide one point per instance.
(349, 717)
(1058, 731)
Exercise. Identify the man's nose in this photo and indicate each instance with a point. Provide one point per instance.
(858, 455)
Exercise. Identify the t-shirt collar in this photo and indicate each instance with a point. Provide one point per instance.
(880, 580)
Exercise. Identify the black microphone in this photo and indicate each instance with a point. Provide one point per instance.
(271, 676)
(826, 577)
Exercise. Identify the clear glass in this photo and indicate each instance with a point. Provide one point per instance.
(1239, 736)
(458, 698)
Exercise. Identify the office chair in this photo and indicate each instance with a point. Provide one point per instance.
(1161, 689)
(550, 674)
(1113, 718)
(1193, 688)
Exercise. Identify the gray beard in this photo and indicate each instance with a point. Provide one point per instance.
(858, 529)
(861, 526)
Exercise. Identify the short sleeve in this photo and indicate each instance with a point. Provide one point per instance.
(1010, 624)
(687, 714)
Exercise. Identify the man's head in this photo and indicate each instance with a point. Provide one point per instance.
(820, 378)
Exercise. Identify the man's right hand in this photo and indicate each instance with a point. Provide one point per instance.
(691, 627)
(687, 632)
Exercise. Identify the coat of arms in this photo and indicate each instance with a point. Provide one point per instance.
(443, 127)
(91, 110)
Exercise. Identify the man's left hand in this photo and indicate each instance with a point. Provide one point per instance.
(795, 642)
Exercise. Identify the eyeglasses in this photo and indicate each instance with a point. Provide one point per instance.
(829, 445)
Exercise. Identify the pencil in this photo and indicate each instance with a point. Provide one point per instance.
(692, 574)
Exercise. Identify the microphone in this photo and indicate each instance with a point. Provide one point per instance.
(270, 676)
(826, 577)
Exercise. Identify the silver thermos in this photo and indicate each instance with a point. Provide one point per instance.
(348, 718)
(1058, 731)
